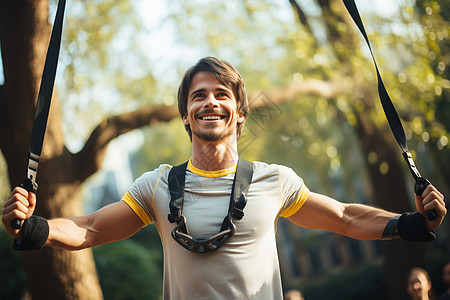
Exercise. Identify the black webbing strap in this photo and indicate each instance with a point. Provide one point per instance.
(43, 105)
(391, 114)
(241, 184)
(238, 199)
(177, 176)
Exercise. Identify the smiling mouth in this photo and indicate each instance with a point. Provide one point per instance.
(212, 118)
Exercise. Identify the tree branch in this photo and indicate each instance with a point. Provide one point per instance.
(90, 158)
(313, 87)
(300, 14)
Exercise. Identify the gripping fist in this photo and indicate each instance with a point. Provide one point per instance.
(20, 205)
(431, 199)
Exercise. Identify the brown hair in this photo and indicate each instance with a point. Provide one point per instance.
(227, 75)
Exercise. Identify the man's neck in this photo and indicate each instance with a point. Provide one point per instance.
(214, 156)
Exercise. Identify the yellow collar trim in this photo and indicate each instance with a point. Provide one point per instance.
(212, 174)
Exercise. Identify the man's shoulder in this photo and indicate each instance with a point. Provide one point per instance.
(161, 172)
(272, 168)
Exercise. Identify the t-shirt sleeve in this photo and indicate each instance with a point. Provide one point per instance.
(140, 194)
(293, 191)
(137, 208)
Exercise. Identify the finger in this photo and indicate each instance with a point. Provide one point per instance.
(15, 204)
(433, 196)
(431, 188)
(18, 197)
(436, 206)
(32, 199)
(20, 190)
(18, 214)
(14, 214)
(18, 194)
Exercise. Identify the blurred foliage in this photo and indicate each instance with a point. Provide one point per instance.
(435, 20)
(12, 275)
(128, 270)
(104, 66)
(5, 187)
(164, 143)
(348, 285)
(108, 68)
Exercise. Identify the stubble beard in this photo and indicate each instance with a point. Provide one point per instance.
(211, 135)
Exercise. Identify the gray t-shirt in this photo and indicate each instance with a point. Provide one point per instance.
(246, 266)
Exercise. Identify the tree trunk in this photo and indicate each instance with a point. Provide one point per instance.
(25, 33)
(390, 193)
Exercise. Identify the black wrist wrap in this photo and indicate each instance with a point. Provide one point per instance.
(34, 234)
(412, 228)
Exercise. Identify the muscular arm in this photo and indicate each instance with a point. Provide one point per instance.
(354, 220)
(361, 221)
(114, 222)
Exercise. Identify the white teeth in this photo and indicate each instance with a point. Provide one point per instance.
(210, 118)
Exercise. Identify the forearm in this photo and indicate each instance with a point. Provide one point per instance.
(354, 220)
(111, 223)
(364, 222)
(71, 233)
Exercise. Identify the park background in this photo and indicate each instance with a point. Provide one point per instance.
(312, 86)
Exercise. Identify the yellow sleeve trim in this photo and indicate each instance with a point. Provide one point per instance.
(298, 203)
(128, 199)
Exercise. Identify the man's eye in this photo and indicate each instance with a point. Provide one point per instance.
(222, 95)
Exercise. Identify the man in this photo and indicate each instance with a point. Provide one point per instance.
(213, 106)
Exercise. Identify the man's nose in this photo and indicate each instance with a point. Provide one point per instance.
(211, 101)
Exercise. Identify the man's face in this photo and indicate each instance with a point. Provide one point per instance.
(211, 109)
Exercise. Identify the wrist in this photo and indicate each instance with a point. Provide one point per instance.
(35, 231)
(412, 227)
(390, 231)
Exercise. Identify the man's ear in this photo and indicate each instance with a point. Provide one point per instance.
(241, 119)
(185, 120)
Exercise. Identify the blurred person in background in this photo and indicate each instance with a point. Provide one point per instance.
(293, 295)
(419, 285)
(446, 280)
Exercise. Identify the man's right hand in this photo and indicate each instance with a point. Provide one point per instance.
(20, 205)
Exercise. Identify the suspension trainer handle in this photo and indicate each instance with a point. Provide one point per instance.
(419, 187)
(30, 186)
(421, 182)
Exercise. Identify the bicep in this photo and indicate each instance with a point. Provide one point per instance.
(114, 222)
(320, 212)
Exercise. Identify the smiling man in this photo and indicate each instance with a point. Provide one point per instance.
(217, 221)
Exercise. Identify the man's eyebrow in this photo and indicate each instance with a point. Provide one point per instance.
(202, 90)
(223, 90)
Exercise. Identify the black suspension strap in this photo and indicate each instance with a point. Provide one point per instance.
(391, 114)
(43, 105)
